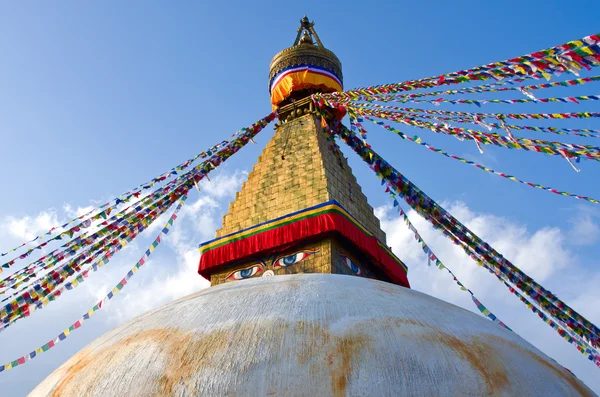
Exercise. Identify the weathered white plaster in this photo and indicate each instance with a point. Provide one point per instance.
(310, 335)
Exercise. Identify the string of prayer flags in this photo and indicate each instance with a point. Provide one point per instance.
(442, 220)
(28, 306)
(565, 58)
(568, 150)
(217, 157)
(369, 158)
(479, 102)
(72, 247)
(470, 115)
(446, 120)
(102, 211)
(582, 346)
(123, 230)
(432, 257)
(499, 86)
(418, 140)
(118, 288)
(193, 176)
(584, 132)
(573, 338)
(47, 290)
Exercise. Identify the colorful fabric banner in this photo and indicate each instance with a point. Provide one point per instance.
(328, 217)
(418, 140)
(63, 335)
(300, 77)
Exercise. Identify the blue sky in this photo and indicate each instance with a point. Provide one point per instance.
(97, 98)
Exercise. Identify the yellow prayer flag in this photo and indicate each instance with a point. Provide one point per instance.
(576, 43)
(587, 50)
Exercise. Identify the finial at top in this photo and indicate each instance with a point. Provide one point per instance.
(306, 39)
(304, 23)
(307, 28)
(303, 69)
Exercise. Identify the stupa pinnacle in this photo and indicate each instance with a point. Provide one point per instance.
(301, 209)
(304, 68)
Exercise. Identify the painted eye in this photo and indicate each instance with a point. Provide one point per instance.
(290, 260)
(353, 266)
(245, 273)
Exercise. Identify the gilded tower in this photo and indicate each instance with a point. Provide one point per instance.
(301, 209)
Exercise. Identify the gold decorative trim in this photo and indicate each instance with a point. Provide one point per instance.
(305, 53)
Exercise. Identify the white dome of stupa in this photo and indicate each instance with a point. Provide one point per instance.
(310, 335)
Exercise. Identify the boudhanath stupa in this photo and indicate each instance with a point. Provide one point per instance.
(306, 297)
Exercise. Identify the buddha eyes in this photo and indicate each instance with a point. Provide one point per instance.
(245, 273)
(281, 261)
(289, 260)
(353, 266)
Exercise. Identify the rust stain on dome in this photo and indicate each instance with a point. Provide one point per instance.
(347, 349)
(481, 356)
(185, 353)
(71, 373)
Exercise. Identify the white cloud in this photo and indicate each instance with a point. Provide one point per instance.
(27, 227)
(71, 212)
(585, 231)
(224, 185)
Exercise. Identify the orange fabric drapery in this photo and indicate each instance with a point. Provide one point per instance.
(298, 80)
